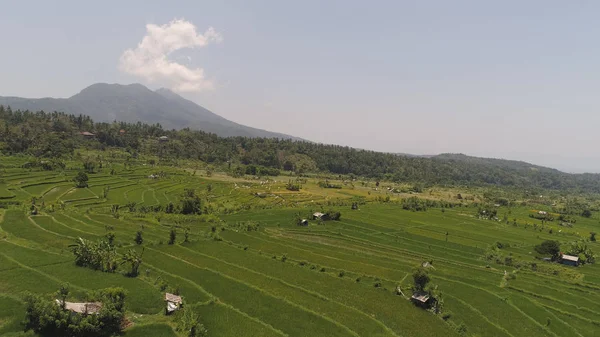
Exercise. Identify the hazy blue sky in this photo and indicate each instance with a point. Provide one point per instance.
(511, 79)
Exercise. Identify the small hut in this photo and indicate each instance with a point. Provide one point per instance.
(421, 299)
(121, 132)
(89, 308)
(570, 260)
(87, 134)
(174, 302)
(303, 222)
(163, 139)
(318, 216)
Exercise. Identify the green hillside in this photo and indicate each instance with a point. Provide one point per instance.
(266, 237)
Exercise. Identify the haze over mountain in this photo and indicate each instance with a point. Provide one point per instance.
(135, 102)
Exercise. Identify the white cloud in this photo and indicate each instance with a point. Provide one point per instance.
(150, 59)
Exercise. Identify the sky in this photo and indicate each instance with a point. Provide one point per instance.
(505, 79)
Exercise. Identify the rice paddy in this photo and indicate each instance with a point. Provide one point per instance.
(333, 278)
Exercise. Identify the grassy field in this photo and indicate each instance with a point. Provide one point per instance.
(333, 278)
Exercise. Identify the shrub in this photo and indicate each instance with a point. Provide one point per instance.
(99, 255)
(188, 322)
(172, 236)
(290, 186)
(190, 202)
(138, 238)
(81, 180)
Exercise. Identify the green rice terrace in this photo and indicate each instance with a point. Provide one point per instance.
(287, 256)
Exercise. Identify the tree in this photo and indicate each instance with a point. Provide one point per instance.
(190, 202)
(170, 208)
(186, 235)
(138, 238)
(580, 249)
(421, 278)
(549, 247)
(586, 213)
(110, 238)
(63, 293)
(592, 236)
(99, 255)
(172, 236)
(45, 318)
(134, 259)
(81, 180)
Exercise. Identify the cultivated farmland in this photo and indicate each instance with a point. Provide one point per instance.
(246, 267)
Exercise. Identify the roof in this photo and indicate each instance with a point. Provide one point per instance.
(83, 308)
(421, 297)
(318, 214)
(163, 137)
(85, 133)
(173, 298)
(570, 258)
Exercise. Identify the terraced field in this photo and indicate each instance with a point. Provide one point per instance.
(336, 278)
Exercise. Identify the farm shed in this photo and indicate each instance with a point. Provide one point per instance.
(570, 260)
(421, 299)
(174, 302)
(82, 308)
(318, 216)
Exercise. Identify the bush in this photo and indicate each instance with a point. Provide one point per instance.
(190, 202)
(81, 180)
(172, 236)
(290, 186)
(334, 215)
(327, 184)
(97, 255)
(188, 322)
(138, 238)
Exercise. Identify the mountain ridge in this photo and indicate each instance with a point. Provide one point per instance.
(135, 102)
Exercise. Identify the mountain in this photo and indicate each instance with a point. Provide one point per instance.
(134, 102)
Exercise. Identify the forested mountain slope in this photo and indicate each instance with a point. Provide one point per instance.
(54, 135)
